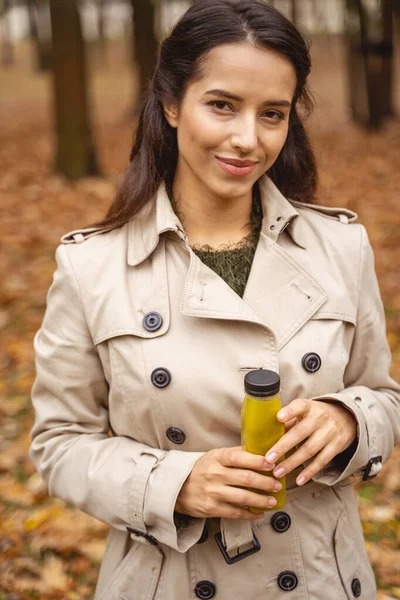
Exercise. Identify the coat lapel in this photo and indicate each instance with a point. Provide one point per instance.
(280, 295)
(281, 291)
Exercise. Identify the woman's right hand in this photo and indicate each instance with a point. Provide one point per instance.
(214, 486)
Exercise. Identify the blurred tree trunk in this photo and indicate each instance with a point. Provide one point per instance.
(7, 57)
(75, 155)
(31, 10)
(387, 58)
(145, 46)
(356, 68)
(101, 43)
(43, 39)
(370, 62)
(294, 12)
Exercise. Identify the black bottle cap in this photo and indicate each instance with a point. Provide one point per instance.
(262, 382)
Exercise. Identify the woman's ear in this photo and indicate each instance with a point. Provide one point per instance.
(171, 114)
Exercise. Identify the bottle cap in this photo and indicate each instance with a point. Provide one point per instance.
(262, 382)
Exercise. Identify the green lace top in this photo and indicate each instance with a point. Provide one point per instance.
(232, 263)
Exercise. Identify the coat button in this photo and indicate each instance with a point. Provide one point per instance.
(175, 435)
(152, 321)
(356, 587)
(205, 590)
(287, 581)
(311, 362)
(281, 522)
(204, 536)
(161, 378)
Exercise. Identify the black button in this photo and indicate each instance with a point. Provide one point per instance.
(161, 378)
(152, 321)
(204, 536)
(205, 590)
(281, 522)
(311, 362)
(175, 435)
(356, 587)
(287, 581)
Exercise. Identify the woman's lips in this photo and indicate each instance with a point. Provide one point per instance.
(234, 170)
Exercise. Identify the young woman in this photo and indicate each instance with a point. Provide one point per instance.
(214, 261)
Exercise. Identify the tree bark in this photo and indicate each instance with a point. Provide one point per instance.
(101, 42)
(372, 70)
(294, 12)
(43, 40)
(75, 155)
(31, 10)
(7, 57)
(387, 58)
(356, 65)
(145, 45)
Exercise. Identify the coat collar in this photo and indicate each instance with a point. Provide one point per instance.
(159, 217)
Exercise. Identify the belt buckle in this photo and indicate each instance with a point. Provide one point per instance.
(231, 560)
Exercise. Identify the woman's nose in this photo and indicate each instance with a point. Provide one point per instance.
(244, 136)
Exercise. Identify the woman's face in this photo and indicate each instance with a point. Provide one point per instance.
(238, 109)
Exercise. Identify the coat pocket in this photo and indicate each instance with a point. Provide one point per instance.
(355, 571)
(136, 576)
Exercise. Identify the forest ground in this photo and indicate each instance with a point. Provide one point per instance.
(50, 551)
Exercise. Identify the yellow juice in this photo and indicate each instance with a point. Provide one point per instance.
(260, 430)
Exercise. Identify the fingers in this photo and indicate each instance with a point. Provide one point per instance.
(291, 423)
(236, 457)
(320, 461)
(297, 408)
(229, 511)
(298, 433)
(308, 450)
(251, 479)
(243, 497)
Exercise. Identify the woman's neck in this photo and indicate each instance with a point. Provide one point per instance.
(209, 220)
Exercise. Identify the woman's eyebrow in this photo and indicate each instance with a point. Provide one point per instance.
(226, 94)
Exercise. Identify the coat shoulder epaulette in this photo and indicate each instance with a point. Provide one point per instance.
(344, 215)
(80, 235)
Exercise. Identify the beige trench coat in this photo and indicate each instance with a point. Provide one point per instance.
(118, 446)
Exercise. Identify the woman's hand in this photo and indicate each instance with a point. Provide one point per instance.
(328, 429)
(214, 487)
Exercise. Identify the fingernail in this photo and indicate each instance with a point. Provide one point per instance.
(277, 486)
(268, 466)
(271, 458)
(271, 501)
(300, 480)
(279, 472)
(282, 414)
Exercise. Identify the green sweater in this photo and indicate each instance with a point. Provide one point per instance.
(233, 264)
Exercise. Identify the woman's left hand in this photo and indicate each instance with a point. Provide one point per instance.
(328, 429)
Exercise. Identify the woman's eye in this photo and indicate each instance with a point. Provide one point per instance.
(220, 104)
(274, 116)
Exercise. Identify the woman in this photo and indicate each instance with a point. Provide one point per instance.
(203, 270)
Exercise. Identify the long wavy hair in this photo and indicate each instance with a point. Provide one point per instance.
(204, 26)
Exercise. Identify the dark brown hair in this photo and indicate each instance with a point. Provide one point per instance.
(204, 26)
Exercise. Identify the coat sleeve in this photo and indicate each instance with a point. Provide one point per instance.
(115, 479)
(370, 393)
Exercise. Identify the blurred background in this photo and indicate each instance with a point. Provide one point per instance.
(72, 75)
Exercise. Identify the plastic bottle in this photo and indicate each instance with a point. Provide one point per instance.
(260, 429)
